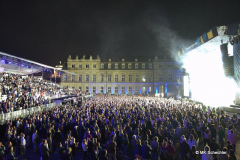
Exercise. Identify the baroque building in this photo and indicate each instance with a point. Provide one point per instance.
(124, 77)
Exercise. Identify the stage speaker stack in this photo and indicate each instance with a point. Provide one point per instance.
(227, 61)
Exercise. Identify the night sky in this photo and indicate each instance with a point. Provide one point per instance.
(48, 31)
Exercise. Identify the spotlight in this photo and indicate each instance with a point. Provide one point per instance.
(10, 62)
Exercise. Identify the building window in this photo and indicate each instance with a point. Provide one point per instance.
(143, 78)
(101, 89)
(130, 90)
(116, 78)
(80, 88)
(150, 89)
(94, 66)
(123, 66)
(116, 90)
(102, 66)
(160, 77)
(94, 78)
(150, 78)
(80, 78)
(136, 66)
(169, 77)
(109, 89)
(137, 89)
(87, 78)
(73, 78)
(109, 78)
(123, 78)
(116, 66)
(123, 90)
(65, 78)
(129, 65)
(143, 66)
(109, 65)
(137, 78)
(94, 89)
(73, 66)
(87, 65)
(150, 66)
(179, 78)
(130, 78)
(160, 66)
(87, 89)
(101, 78)
(80, 66)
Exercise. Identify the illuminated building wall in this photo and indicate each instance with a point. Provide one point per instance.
(124, 77)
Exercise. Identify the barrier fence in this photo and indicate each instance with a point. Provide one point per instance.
(24, 112)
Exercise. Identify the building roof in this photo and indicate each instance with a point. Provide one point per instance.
(18, 65)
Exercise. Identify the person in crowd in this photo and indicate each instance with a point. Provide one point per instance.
(95, 153)
(221, 134)
(192, 153)
(233, 139)
(229, 146)
(11, 154)
(133, 146)
(44, 150)
(138, 150)
(184, 149)
(155, 148)
(214, 147)
(35, 139)
(112, 145)
(60, 151)
(232, 155)
(223, 156)
(103, 155)
(22, 146)
(191, 141)
(85, 148)
(207, 135)
(74, 146)
(170, 150)
(146, 151)
(125, 143)
(207, 156)
(68, 154)
(2, 151)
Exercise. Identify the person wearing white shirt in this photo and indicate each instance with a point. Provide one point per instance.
(191, 141)
(34, 141)
(22, 146)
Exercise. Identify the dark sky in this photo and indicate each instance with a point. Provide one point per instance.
(48, 31)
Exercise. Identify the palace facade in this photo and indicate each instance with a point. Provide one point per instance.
(124, 77)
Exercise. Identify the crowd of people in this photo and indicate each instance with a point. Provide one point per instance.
(21, 92)
(107, 127)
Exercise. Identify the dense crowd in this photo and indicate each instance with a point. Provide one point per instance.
(21, 92)
(105, 127)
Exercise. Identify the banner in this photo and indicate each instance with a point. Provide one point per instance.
(212, 33)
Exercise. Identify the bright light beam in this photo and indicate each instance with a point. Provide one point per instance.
(207, 80)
